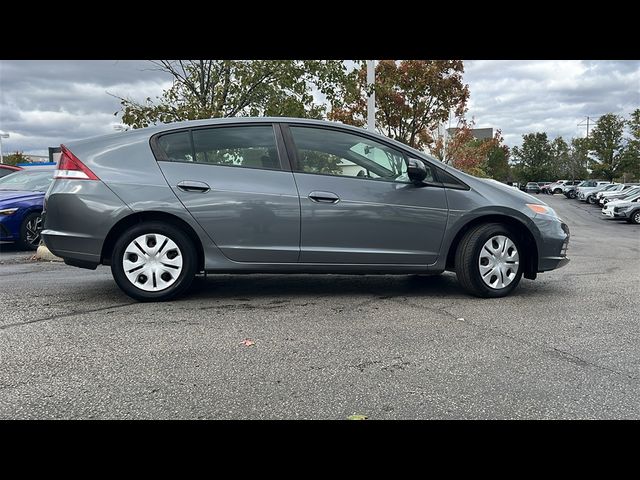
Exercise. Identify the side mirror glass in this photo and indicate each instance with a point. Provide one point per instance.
(416, 171)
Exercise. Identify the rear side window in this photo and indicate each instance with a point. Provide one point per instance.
(246, 146)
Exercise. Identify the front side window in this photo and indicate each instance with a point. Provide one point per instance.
(331, 152)
(244, 146)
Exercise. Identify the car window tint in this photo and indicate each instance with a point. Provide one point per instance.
(331, 152)
(246, 146)
(177, 146)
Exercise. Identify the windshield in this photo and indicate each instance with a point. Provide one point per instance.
(29, 180)
(629, 194)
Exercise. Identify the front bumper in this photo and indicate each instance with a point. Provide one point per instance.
(552, 251)
(9, 226)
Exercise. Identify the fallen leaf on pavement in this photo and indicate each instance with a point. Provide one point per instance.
(247, 342)
(357, 417)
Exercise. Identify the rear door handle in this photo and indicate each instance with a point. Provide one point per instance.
(193, 186)
(324, 197)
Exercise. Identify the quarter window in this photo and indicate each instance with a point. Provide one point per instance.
(177, 146)
(330, 152)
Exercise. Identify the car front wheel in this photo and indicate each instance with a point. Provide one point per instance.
(153, 261)
(30, 231)
(488, 261)
(635, 217)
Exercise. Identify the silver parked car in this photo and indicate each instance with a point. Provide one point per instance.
(255, 195)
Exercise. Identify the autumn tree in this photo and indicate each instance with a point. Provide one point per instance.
(481, 157)
(203, 89)
(533, 159)
(607, 145)
(412, 98)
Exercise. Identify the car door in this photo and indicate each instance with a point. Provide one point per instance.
(357, 203)
(231, 179)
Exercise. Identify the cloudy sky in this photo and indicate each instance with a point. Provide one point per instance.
(44, 103)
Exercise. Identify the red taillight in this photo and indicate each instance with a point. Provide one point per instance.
(70, 167)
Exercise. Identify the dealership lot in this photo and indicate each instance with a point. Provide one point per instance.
(72, 345)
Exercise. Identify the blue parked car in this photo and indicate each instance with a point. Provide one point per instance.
(21, 200)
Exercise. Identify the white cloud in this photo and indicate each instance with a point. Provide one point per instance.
(45, 103)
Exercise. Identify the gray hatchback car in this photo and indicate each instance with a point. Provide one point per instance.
(287, 195)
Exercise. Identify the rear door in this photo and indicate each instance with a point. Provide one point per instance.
(236, 183)
(357, 204)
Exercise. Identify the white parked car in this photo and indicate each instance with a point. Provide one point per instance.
(588, 187)
(625, 192)
(593, 195)
(627, 208)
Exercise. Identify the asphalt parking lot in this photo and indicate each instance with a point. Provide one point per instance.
(388, 347)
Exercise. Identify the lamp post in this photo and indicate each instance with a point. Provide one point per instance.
(371, 101)
(2, 135)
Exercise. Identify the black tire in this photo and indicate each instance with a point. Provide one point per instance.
(572, 195)
(28, 239)
(634, 217)
(467, 256)
(189, 261)
(591, 200)
(557, 190)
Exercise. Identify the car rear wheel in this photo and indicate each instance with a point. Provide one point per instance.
(635, 217)
(572, 194)
(488, 262)
(153, 261)
(30, 231)
(591, 200)
(557, 190)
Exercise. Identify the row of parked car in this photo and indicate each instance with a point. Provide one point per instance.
(617, 200)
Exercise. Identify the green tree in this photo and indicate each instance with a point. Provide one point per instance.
(497, 164)
(412, 98)
(578, 160)
(631, 152)
(15, 158)
(227, 88)
(560, 152)
(533, 158)
(606, 143)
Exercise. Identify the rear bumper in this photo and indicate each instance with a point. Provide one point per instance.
(78, 216)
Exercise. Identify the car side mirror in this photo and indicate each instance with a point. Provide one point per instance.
(416, 171)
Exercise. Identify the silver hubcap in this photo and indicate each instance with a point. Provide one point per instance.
(152, 262)
(637, 217)
(498, 262)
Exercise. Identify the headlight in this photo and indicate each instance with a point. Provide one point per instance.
(8, 211)
(543, 209)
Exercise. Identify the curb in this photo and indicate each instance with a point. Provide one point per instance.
(43, 253)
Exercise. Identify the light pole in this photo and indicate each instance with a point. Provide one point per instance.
(2, 135)
(371, 101)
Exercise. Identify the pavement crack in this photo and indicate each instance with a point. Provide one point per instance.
(63, 315)
(557, 352)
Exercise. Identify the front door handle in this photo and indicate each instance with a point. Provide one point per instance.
(324, 197)
(193, 186)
